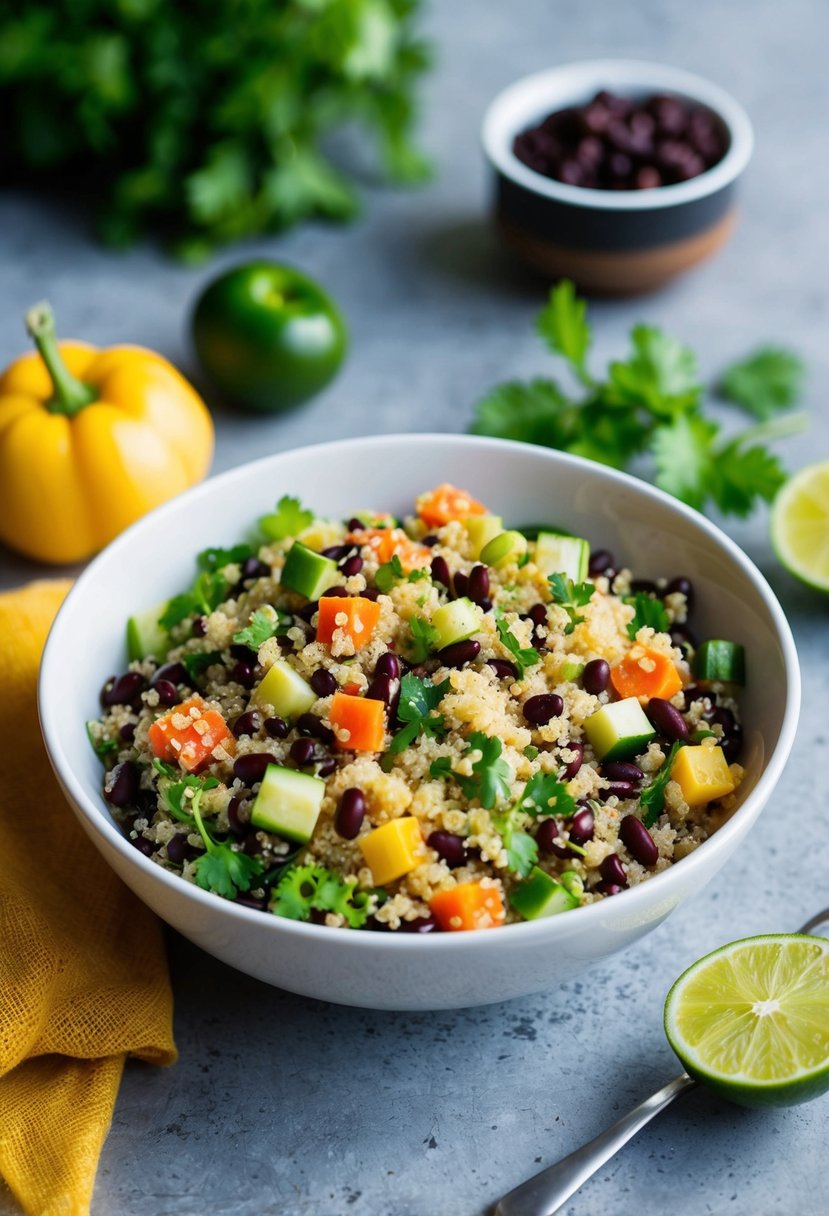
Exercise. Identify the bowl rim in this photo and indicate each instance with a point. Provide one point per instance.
(544, 929)
(510, 111)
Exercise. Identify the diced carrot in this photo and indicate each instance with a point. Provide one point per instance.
(362, 718)
(355, 615)
(386, 543)
(187, 734)
(445, 503)
(646, 673)
(351, 689)
(468, 906)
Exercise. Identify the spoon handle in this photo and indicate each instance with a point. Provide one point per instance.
(550, 1188)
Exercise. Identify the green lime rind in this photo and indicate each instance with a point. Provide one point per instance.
(802, 505)
(719, 1021)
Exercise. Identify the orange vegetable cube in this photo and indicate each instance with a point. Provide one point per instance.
(187, 734)
(468, 906)
(355, 615)
(445, 503)
(646, 673)
(386, 543)
(393, 850)
(363, 720)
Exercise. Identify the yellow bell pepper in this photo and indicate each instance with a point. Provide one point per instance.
(703, 774)
(394, 849)
(90, 440)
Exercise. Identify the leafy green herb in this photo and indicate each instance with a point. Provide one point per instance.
(572, 597)
(521, 849)
(289, 519)
(304, 889)
(522, 656)
(265, 623)
(491, 775)
(769, 380)
(647, 610)
(101, 747)
(198, 663)
(652, 799)
(208, 592)
(530, 752)
(178, 793)
(544, 794)
(651, 401)
(211, 123)
(417, 700)
(221, 868)
(217, 559)
(442, 767)
(392, 572)
(423, 640)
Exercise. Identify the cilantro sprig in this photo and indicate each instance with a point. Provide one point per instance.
(304, 889)
(265, 623)
(491, 775)
(423, 639)
(647, 610)
(418, 699)
(522, 656)
(542, 795)
(221, 868)
(652, 799)
(653, 401)
(288, 518)
(392, 572)
(572, 597)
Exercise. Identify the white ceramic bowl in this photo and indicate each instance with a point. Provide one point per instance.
(645, 528)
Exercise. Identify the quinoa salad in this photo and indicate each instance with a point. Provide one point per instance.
(428, 724)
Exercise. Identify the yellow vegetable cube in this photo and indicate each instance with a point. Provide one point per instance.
(393, 849)
(702, 774)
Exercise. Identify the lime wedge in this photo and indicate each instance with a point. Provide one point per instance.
(751, 1020)
(800, 525)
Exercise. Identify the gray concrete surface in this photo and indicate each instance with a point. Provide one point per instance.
(283, 1105)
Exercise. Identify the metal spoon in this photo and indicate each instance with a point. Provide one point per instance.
(544, 1193)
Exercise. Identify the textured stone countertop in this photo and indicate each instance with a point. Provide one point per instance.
(280, 1104)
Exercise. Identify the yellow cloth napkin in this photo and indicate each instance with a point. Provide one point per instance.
(83, 975)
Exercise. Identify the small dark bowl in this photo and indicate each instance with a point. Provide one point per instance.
(611, 242)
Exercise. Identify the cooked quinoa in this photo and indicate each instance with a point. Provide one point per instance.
(406, 727)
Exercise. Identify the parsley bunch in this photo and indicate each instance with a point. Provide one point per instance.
(652, 402)
(304, 889)
(208, 122)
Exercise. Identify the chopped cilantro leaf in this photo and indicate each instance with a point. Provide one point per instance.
(522, 656)
(522, 850)
(221, 868)
(535, 412)
(647, 611)
(101, 747)
(388, 574)
(571, 596)
(442, 767)
(178, 609)
(417, 700)
(198, 663)
(289, 518)
(766, 382)
(562, 323)
(660, 375)
(178, 796)
(304, 889)
(544, 794)
(211, 560)
(491, 774)
(265, 623)
(423, 640)
(652, 799)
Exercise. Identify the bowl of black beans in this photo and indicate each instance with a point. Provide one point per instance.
(617, 174)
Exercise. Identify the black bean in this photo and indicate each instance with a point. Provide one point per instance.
(601, 561)
(179, 848)
(381, 688)
(122, 690)
(429, 541)
(538, 614)
(338, 592)
(684, 586)
(724, 718)
(247, 723)
(308, 611)
(253, 568)
(245, 654)
(167, 692)
(622, 770)
(538, 710)
(176, 673)
(459, 653)
(122, 787)
(302, 752)
(147, 847)
(486, 604)
(732, 744)
(621, 789)
(350, 813)
(355, 525)
(608, 888)
(573, 766)
(277, 728)
(258, 902)
(449, 847)
(352, 565)
(200, 627)
(388, 665)
(237, 824)
(638, 841)
(460, 583)
(694, 693)
(643, 586)
(251, 768)
(546, 836)
(244, 674)
(596, 676)
(127, 732)
(323, 683)
(420, 924)
(582, 826)
(310, 724)
(325, 765)
(667, 719)
(370, 593)
(503, 669)
(683, 638)
(477, 587)
(613, 871)
(336, 553)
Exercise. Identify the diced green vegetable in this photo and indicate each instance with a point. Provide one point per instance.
(285, 690)
(720, 660)
(307, 572)
(288, 803)
(481, 529)
(541, 895)
(504, 548)
(559, 554)
(619, 730)
(571, 670)
(145, 636)
(456, 621)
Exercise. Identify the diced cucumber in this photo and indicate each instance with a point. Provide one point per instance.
(285, 690)
(307, 572)
(619, 730)
(540, 895)
(480, 529)
(145, 636)
(559, 554)
(456, 621)
(288, 803)
(504, 548)
(720, 660)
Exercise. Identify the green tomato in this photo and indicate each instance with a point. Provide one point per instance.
(267, 336)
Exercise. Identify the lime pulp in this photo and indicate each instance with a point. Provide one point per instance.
(800, 525)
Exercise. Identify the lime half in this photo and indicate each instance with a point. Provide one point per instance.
(800, 525)
(751, 1020)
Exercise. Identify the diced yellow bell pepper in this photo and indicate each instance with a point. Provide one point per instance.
(393, 849)
(702, 774)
